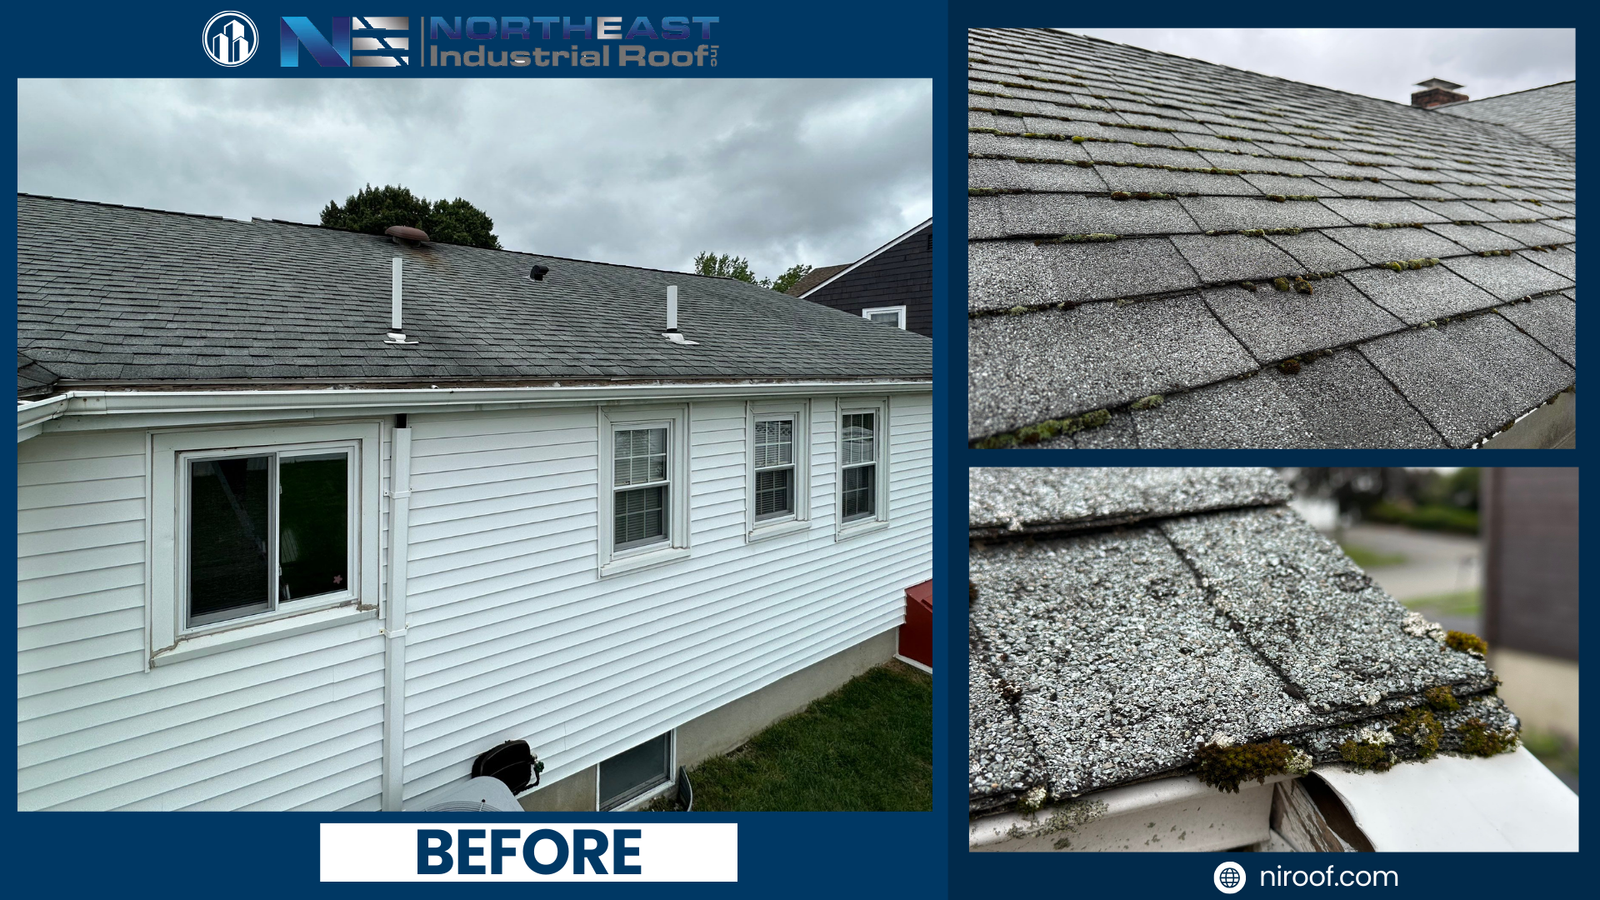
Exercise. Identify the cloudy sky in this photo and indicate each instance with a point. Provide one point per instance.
(645, 172)
(1377, 62)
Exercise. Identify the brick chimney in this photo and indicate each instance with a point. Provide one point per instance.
(1437, 92)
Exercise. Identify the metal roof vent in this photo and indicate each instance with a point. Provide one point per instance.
(539, 272)
(396, 336)
(405, 235)
(672, 334)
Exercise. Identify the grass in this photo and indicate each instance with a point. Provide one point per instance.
(867, 746)
(1456, 603)
(1558, 753)
(1371, 559)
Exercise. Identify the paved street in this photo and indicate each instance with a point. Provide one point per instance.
(1435, 564)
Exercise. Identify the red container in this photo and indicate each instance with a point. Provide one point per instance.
(916, 635)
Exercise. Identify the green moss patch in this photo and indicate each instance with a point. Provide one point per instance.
(1479, 739)
(1463, 642)
(1225, 766)
(1441, 699)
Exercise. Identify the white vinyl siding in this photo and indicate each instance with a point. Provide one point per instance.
(296, 723)
(512, 633)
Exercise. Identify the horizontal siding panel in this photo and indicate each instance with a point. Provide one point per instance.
(82, 606)
(108, 556)
(55, 518)
(45, 636)
(86, 445)
(70, 584)
(79, 493)
(91, 536)
(68, 472)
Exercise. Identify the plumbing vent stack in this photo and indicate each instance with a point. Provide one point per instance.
(396, 336)
(672, 334)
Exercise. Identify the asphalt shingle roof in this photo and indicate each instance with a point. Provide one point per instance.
(1137, 222)
(1121, 619)
(1545, 114)
(115, 295)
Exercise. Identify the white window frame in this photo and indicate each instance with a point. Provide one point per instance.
(641, 799)
(171, 637)
(879, 407)
(675, 419)
(900, 311)
(798, 412)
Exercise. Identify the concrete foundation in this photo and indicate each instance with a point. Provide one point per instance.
(1541, 690)
(731, 724)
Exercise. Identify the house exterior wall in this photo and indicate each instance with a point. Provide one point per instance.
(901, 274)
(1531, 560)
(511, 632)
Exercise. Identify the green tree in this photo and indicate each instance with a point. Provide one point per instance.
(371, 210)
(788, 279)
(727, 265)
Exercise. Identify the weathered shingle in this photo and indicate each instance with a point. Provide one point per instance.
(1213, 176)
(122, 295)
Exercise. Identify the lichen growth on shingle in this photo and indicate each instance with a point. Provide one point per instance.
(1290, 366)
(1478, 738)
(1463, 642)
(1441, 698)
(1079, 239)
(1369, 750)
(1150, 402)
(1422, 728)
(1225, 766)
(1281, 284)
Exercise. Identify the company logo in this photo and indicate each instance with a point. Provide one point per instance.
(351, 41)
(230, 38)
(1229, 878)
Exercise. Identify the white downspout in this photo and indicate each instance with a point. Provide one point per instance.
(394, 626)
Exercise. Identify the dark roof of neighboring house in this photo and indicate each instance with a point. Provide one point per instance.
(1122, 198)
(1121, 619)
(1548, 114)
(814, 278)
(113, 295)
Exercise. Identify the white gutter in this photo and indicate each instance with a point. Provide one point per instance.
(394, 626)
(93, 409)
(32, 416)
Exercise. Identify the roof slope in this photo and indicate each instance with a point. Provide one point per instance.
(117, 295)
(1548, 114)
(1104, 656)
(1131, 214)
(815, 277)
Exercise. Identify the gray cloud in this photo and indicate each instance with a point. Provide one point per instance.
(644, 172)
(1376, 62)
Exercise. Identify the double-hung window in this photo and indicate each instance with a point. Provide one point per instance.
(886, 315)
(863, 464)
(256, 527)
(644, 481)
(779, 468)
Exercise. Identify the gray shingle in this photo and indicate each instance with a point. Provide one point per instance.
(1507, 277)
(1421, 295)
(1367, 212)
(1127, 178)
(1002, 501)
(1471, 377)
(1552, 321)
(1024, 369)
(1345, 402)
(1316, 252)
(1530, 234)
(1378, 246)
(1563, 261)
(1232, 415)
(1233, 257)
(1474, 238)
(1057, 177)
(1277, 324)
(1004, 274)
(1235, 213)
(1055, 214)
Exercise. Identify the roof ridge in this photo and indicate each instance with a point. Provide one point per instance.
(254, 219)
(1508, 94)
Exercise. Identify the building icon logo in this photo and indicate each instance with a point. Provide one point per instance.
(230, 38)
(1229, 878)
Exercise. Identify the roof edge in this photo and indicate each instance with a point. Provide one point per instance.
(853, 266)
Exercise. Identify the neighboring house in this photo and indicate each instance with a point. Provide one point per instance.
(893, 284)
(1140, 638)
(277, 550)
(1530, 591)
(1163, 252)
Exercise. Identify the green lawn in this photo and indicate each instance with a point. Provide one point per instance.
(1457, 603)
(1371, 559)
(867, 746)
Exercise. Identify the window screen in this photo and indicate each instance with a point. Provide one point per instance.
(775, 468)
(859, 491)
(632, 772)
(641, 485)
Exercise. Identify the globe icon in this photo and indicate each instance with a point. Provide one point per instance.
(1229, 878)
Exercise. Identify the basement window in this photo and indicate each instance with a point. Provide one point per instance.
(886, 315)
(259, 527)
(644, 487)
(863, 466)
(779, 461)
(635, 775)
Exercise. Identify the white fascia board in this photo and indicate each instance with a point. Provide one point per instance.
(863, 260)
(1505, 802)
(90, 410)
(1187, 815)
